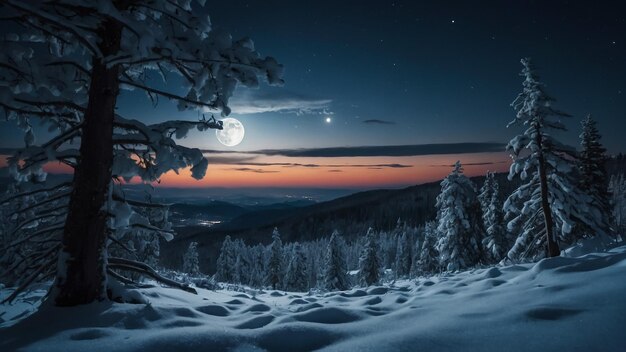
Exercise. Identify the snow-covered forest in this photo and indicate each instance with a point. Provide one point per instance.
(80, 260)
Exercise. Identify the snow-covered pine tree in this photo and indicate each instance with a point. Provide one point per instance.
(594, 179)
(191, 264)
(296, 276)
(257, 276)
(548, 205)
(403, 256)
(275, 265)
(65, 64)
(369, 263)
(243, 264)
(458, 222)
(428, 261)
(335, 269)
(226, 266)
(495, 241)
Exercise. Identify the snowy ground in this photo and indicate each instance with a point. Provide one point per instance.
(564, 304)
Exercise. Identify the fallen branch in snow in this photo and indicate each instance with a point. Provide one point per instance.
(131, 265)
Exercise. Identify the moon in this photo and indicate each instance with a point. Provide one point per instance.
(232, 134)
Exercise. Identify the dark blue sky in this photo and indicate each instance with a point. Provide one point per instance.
(442, 71)
(436, 71)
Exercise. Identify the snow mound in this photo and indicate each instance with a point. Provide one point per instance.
(556, 304)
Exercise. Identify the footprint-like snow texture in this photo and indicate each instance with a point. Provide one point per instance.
(256, 322)
(328, 315)
(378, 291)
(308, 307)
(214, 309)
(257, 308)
(355, 293)
(298, 301)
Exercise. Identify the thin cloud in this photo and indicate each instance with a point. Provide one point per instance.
(390, 150)
(471, 164)
(378, 122)
(258, 171)
(257, 102)
(393, 166)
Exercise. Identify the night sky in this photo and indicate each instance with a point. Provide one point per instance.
(402, 73)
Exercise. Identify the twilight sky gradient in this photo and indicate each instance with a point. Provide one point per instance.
(401, 73)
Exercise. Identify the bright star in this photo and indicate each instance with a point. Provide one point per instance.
(328, 119)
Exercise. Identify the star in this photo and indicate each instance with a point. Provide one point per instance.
(328, 119)
(452, 21)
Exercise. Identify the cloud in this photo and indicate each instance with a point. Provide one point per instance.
(280, 101)
(471, 164)
(258, 171)
(335, 170)
(389, 150)
(378, 122)
(393, 166)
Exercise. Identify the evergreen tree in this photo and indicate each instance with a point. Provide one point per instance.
(545, 209)
(403, 256)
(369, 263)
(495, 241)
(428, 261)
(335, 268)
(458, 225)
(257, 275)
(226, 262)
(594, 179)
(275, 263)
(64, 64)
(296, 277)
(190, 260)
(617, 187)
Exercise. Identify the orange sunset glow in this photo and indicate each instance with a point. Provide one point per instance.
(322, 172)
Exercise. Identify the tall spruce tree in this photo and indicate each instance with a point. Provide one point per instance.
(403, 255)
(545, 209)
(495, 241)
(225, 270)
(369, 263)
(296, 276)
(335, 276)
(275, 265)
(458, 222)
(190, 260)
(428, 261)
(594, 179)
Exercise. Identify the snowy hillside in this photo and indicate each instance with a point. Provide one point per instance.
(564, 304)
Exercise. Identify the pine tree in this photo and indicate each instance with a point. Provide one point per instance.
(495, 241)
(257, 276)
(335, 269)
(403, 256)
(275, 264)
(190, 260)
(225, 270)
(369, 263)
(593, 175)
(545, 209)
(428, 261)
(458, 224)
(296, 277)
(64, 65)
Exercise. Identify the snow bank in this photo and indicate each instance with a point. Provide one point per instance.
(565, 304)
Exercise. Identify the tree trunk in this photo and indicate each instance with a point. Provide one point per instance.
(553, 246)
(81, 278)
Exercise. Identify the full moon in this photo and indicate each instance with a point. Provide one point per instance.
(232, 134)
